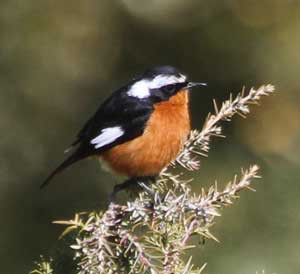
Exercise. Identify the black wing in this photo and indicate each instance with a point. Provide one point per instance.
(120, 110)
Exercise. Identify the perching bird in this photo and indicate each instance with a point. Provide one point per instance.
(140, 128)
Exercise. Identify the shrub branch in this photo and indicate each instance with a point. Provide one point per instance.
(150, 235)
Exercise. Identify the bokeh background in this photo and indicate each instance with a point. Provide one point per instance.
(60, 59)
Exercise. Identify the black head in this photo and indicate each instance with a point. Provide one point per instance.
(160, 83)
(161, 70)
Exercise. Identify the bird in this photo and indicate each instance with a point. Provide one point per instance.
(139, 129)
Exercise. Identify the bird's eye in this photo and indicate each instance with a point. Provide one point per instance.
(169, 88)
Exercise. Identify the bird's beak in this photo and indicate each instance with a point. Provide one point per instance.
(194, 84)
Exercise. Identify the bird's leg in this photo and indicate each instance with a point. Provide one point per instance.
(140, 181)
(120, 187)
(144, 186)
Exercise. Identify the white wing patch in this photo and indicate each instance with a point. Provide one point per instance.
(141, 89)
(107, 136)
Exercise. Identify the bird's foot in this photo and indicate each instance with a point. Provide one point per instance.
(140, 181)
(118, 188)
(150, 191)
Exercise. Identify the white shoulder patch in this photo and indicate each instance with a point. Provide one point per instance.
(140, 89)
(107, 136)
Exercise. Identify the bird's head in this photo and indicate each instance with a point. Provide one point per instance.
(160, 83)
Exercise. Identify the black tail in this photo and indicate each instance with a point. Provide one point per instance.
(69, 161)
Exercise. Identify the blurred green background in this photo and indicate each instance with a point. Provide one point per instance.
(60, 59)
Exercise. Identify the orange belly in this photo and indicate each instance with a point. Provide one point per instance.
(164, 136)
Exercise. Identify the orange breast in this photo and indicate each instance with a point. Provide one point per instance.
(163, 137)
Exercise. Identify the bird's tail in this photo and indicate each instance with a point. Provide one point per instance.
(69, 161)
